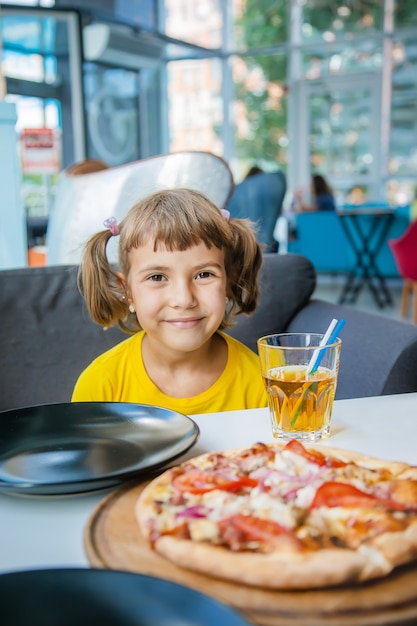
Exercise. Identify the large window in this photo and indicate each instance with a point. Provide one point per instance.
(259, 23)
(282, 107)
(259, 112)
(41, 80)
(403, 122)
(278, 83)
(195, 110)
(112, 114)
(197, 22)
(327, 19)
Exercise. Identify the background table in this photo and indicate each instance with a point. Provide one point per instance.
(366, 241)
(40, 532)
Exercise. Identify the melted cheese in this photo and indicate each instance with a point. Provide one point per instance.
(204, 530)
(294, 464)
(268, 507)
(305, 496)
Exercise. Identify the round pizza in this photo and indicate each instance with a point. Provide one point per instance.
(284, 516)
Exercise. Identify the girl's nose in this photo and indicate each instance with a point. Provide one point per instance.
(183, 295)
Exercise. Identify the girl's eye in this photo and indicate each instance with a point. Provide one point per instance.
(204, 274)
(157, 278)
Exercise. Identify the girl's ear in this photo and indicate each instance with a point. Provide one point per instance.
(122, 283)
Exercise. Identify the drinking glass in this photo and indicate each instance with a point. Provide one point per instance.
(300, 378)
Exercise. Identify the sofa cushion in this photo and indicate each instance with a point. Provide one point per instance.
(378, 355)
(287, 282)
(46, 335)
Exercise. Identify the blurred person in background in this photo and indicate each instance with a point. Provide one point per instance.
(357, 195)
(322, 196)
(253, 171)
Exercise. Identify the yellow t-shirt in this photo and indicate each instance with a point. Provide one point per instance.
(119, 375)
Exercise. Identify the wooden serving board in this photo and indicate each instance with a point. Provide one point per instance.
(113, 541)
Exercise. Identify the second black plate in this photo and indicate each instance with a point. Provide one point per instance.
(83, 446)
(107, 598)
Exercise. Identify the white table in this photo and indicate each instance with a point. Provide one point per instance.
(39, 532)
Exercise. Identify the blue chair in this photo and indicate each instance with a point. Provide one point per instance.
(259, 198)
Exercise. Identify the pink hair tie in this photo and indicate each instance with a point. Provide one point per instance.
(112, 225)
(226, 214)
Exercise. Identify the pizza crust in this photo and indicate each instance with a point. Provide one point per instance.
(399, 547)
(370, 462)
(286, 570)
(273, 571)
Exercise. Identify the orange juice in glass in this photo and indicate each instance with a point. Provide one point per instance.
(300, 401)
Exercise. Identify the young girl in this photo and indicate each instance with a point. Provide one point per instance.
(185, 268)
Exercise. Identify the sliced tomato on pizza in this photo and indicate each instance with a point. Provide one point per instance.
(198, 482)
(314, 456)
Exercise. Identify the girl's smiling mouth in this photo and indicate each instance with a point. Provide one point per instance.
(189, 322)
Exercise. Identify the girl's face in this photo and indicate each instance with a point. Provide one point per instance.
(179, 296)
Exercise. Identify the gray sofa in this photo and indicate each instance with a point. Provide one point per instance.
(47, 338)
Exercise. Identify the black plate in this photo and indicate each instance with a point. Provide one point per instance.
(83, 446)
(106, 598)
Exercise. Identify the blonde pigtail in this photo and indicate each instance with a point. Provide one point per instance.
(101, 285)
(245, 262)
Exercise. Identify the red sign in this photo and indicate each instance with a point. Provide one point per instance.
(39, 151)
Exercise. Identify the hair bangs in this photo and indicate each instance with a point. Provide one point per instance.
(177, 221)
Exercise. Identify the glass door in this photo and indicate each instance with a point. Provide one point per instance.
(338, 135)
(41, 63)
(41, 59)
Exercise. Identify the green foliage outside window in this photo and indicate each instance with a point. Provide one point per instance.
(263, 23)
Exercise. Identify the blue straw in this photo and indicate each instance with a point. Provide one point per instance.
(331, 340)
